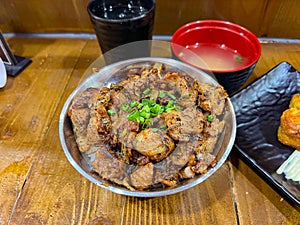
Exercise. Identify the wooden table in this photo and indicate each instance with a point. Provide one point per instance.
(39, 186)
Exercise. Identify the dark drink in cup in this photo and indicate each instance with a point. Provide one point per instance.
(121, 10)
(118, 22)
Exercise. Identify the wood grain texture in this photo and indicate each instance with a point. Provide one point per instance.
(27, 110)
(39, 186)
(269, 18)
(272, 55)
(202, 204)
(257, 202)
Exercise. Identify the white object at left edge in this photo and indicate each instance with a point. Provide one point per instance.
(3, 75)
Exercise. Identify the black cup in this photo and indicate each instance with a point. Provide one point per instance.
(118, 22)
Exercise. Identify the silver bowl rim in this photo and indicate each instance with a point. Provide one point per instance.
(159, 193)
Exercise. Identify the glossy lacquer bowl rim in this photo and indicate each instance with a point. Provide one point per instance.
(77, 160)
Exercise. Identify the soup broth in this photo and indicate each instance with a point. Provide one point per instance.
(213, 57)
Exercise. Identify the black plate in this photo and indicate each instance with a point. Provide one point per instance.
(258, 108)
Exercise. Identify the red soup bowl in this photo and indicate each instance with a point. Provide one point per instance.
(227, 50)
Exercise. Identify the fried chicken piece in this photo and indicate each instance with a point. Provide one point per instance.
(289, 129)
(295, 102)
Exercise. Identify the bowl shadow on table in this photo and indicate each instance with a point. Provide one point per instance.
(263, 185)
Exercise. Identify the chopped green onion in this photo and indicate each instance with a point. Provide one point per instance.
(163, 127)
(143, 111)
(147, 91)
(146, 108)
(170, 104)
(186, 95)
(134, 115)
(145, 124)
(148, 102)
(126, 108)
(210, 118)
(171, 96)
(111, 112)
(238, 58)
(141, 119)
(145, 114)
(157, 109)
(162, 94)
(134, 104)
(169, 110)
(140, 105)
(176, 108)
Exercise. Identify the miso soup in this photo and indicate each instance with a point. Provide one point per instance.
(213, 57)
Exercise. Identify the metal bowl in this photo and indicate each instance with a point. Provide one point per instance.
(108, 74)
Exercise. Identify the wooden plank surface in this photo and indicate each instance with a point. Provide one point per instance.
(39, 186)
(27, 107)
(257, 202)
(272, 55)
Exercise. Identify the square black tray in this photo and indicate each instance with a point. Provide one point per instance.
(258, 108)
